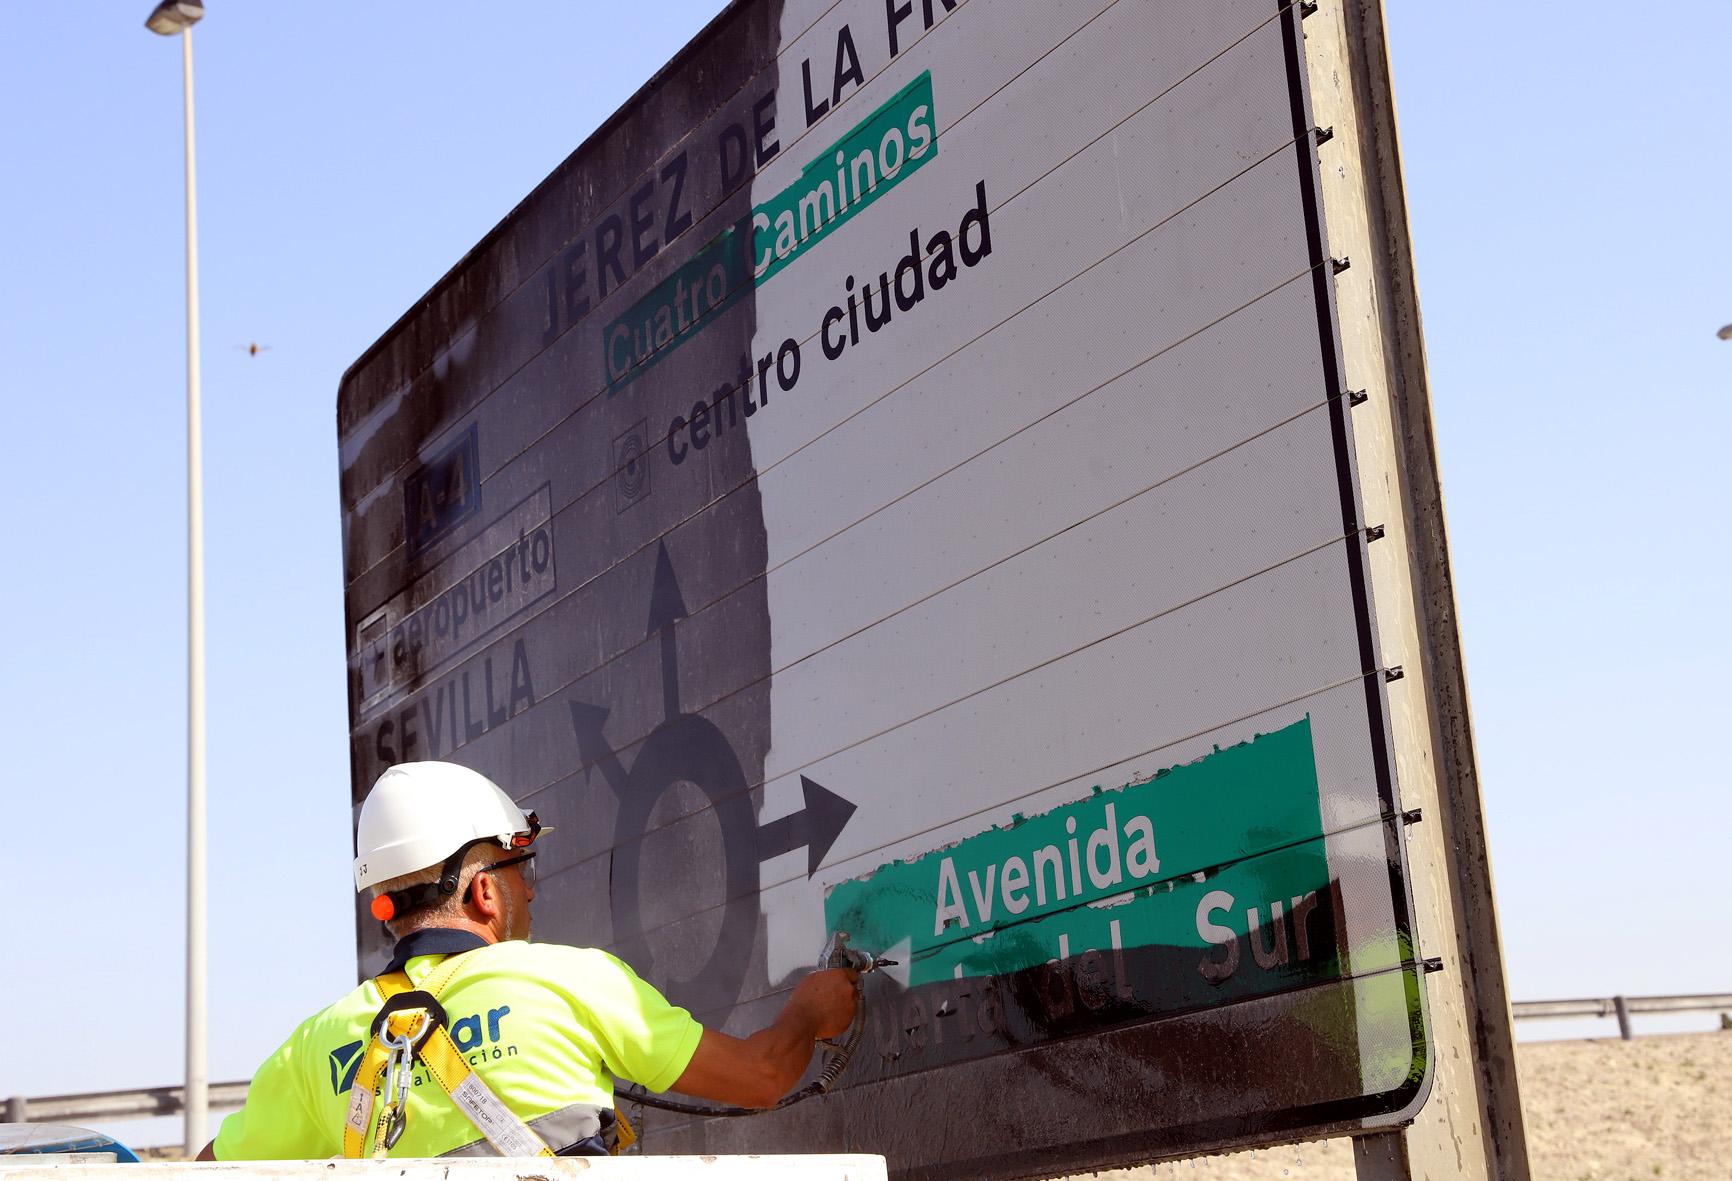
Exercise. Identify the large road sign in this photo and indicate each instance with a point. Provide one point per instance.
(897, 476)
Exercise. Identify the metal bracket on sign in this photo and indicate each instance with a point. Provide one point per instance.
(1394, 673)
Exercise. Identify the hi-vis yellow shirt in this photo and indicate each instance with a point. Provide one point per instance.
(547, 1026)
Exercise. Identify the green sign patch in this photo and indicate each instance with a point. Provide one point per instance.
(882, 150)
(876, 155)
(1214, 855)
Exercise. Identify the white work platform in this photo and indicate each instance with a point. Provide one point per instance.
(628, 1168)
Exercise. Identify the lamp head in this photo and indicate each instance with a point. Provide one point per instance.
(175, 16)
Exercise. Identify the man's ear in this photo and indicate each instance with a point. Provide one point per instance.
(484, 895)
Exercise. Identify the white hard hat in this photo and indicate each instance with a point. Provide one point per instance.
(420, 814)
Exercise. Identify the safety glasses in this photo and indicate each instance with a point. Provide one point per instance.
(525, 863)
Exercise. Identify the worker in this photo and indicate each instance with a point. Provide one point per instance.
(515, 1044)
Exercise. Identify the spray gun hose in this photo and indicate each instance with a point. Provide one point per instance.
(835, 1062)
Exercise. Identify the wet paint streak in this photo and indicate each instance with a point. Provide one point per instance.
(1194, 856)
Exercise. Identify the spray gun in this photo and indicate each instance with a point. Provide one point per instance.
(836, 954)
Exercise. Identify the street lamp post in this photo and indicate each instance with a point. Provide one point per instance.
(169, 18)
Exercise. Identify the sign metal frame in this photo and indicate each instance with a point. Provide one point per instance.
(412, 402)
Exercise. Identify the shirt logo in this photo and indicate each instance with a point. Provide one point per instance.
(478, 1044)
(345, 1061)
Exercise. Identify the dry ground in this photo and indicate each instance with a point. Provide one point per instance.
(1600, 1110)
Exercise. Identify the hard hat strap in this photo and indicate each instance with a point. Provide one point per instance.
(412, 898)
(398, 903)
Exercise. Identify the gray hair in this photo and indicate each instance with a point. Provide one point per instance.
(448, 907)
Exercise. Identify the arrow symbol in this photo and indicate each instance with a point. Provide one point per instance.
(587, 721)
(667, 606)
(815, 826)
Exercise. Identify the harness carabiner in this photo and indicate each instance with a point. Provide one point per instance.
(423, 1035)
(399, 1078)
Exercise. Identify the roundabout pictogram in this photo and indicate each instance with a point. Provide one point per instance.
(688, 748)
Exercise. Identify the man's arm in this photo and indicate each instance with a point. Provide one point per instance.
(758, 1070)
(208, 1152)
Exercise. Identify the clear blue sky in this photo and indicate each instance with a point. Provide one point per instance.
(1567, 170)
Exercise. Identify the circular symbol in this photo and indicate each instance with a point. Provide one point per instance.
(689, 749)
(632, 467)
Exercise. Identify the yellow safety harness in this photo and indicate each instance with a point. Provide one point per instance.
(411, 1027)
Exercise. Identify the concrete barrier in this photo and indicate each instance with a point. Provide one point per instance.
(628, 1168)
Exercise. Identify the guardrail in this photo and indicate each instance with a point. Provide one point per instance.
(1622, 1007)
(140, 1104)
(156, 1101)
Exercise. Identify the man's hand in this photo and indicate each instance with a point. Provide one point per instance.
(831, 997)
(758, 1070)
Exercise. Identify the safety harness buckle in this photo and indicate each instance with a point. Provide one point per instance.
(413, 998)
(395, 1047)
